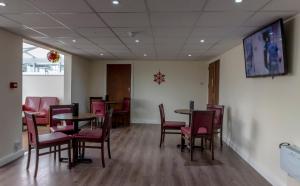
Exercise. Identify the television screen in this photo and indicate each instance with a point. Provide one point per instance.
(264, 51)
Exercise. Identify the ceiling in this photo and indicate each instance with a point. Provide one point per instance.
(166, 29)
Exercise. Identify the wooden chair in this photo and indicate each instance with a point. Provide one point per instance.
(43, 141)
(59, 126)
(168, 127)
(123, 115)
(99, 109)
(218, 119)
(201, 127)
(97, 136)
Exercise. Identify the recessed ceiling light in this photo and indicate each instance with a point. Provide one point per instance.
(101, 54)
(190, 55)
(145, 55)
(115, 2)
(74, 40)
(137, 41)
(2, 4)
(238, 1)
(202, 41)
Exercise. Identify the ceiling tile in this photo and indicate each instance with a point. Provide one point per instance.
(195, 47)
(171, 32)
(124, 6)
(107, 41)
(78, 20)
(95, 32)
(143, 41)
(217, 33)
(178, 19)
(262, 18)
(137, 32)
(58, 32)
(126, 19)
(34, 20)
(286, 5)
(230, 5)
(219, 19)
(176, 5)
(17, 7)
(52, 6)
(49, 41)
(6, 23)
(26, 32)
(196, 40)
(176, 41)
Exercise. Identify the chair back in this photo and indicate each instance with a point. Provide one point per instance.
(98, 108)
(162, 114)
(202, 120)
(92, 99)
(31, 129)
(59, 109)
(126, 104)
(219, 112)
(192, 105)
(107, 124)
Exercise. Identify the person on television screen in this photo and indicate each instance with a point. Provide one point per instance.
(266, 38)
(249, 58)
(273, 55)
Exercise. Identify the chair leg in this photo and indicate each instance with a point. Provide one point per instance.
(36, 162)
(202, 143)
(83, 150)
(69, 155)
(54, 153)
(221, 137)
(164, 135)
(59, 153)
(29, 156)
(191, 148)
(182, 143)
(212, 148)
(161, 138)
(108, 147)
(102, 154)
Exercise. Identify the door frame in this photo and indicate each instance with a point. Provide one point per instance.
(216, 67)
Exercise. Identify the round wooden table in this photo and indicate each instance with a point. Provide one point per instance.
(76, 120)
(183, 111)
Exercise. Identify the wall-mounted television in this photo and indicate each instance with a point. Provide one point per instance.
(264, 51)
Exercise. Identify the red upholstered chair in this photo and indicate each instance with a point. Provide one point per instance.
(99, 135)
(99, 109)
(59, 126)
(123, 114)
(202, 127)
(168, 127)
(218, 119)
(43, 141)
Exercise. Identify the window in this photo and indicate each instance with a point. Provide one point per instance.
(35, 62)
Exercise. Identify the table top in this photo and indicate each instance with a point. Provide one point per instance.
(70, 117)
(112, 102)
(183, 111)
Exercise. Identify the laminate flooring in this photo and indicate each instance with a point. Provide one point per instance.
(137, 160)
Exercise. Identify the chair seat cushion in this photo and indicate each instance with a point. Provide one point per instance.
(53, 139)
(93, 135)
(173, 125)
(62, 128)
(187, 131)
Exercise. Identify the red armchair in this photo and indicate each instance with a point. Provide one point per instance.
(40, 107)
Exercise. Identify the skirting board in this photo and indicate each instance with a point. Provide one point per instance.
(11, 157)
(267, 174)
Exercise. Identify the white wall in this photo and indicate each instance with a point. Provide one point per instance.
(80, 82)
(10, 99)
(185, 81)
(34, 85)
(262, 112)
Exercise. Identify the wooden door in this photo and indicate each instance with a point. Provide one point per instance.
(213, 84)
(118, 83)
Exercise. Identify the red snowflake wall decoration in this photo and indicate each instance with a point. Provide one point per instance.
(159, 77)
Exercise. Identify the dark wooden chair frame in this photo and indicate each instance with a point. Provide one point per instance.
(82, 142)
(191, 139)
(37, 147)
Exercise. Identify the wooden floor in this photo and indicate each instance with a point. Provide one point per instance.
(136, 161)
